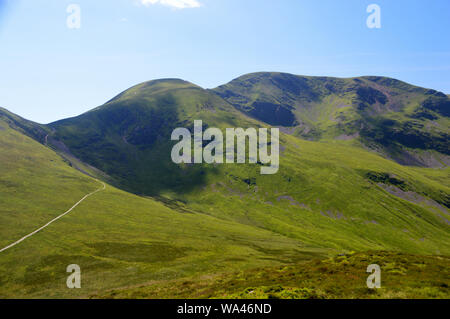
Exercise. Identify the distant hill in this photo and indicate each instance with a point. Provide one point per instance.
(400, 121)
(397, 120)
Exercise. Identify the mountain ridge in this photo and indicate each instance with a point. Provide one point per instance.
(394, 118)
(399, 121)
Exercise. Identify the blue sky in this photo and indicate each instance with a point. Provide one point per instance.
(49, 71)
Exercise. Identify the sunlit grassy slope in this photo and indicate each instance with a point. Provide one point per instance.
(122, 240)
(117, 238)
(333, 195)
(35, 185)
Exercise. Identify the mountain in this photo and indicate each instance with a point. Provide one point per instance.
(352, 198)
(337, 190)
(400, 121)
(127, 138)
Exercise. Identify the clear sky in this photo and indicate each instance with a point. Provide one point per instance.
(49, 71)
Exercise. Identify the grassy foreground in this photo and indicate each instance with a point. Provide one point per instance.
(344, 276)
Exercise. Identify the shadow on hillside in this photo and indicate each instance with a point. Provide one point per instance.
(131, 142)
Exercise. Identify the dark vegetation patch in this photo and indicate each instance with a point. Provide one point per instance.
(283, 255)
(250, 181)
(234, 98)
(423, 113)
(439, 104)
(445, 201)
(130, 141)
(139, 122)
(163, 119)
(173, 204)
(313, 134)
(146, 253)
(10, 184)
(294, 85)
(367, 96)
(389, 132)
(388, 179)
(435, 93)
(52, 268)
(273, 114)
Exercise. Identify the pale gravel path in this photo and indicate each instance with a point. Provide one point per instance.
(53, 220)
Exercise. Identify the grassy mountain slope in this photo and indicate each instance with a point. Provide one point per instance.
(347, 199)
(117, 238)
(34, 130)
(401, 121)
(36, 185)
(127, 138)
(329, 194)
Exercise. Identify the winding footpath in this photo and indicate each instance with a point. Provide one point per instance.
(55, 219)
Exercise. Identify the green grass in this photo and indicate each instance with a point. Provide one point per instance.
(117, 238)
(344, 276)
(334, 204)
(122, 240)
(35, 185)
